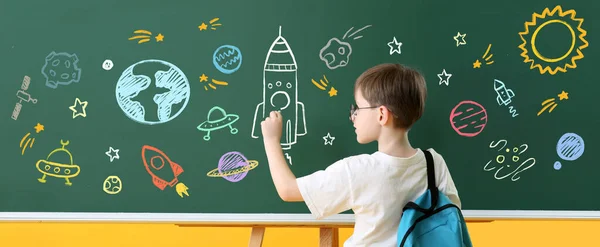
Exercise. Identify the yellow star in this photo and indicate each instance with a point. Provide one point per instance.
(203, 26)
(159, 37)
(476, 64)
(332, 92)
(203, 78)
(83, 106)
(38, 128)
(563, 95)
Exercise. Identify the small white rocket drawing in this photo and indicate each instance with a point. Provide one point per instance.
(280, 93)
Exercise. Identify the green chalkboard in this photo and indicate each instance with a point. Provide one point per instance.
(178, 88)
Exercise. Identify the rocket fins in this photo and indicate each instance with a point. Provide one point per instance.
(260, 108)
(301, 120)
(161, 184)
(510, 93)
(177, 169)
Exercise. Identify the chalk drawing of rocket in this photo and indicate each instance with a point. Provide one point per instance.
(504, 94)
(280, 93)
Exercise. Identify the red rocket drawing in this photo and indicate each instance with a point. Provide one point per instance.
(157, 162)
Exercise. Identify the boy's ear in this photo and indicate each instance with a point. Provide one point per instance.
(384, 115)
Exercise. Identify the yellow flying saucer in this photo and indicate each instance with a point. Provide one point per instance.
(215, 172)
(538, 22)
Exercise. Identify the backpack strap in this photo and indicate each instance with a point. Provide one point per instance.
(430, 186)
(431, 180)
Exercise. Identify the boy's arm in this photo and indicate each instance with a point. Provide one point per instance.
(283, 178)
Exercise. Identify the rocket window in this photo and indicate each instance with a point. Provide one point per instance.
(278, 83)
(288, 85)
(270, 85)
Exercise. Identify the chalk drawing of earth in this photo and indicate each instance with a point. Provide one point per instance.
(152, 92)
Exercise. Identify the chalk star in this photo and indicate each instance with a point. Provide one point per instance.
(394, 46)
(159, 37)
(38, 128)
(447, 80)
(563, 95)
(203, 26)
(76, 104)
(328, 139)
(203, 78)
(112, 153)
(477, 64)
(332, 92)
(462, 37)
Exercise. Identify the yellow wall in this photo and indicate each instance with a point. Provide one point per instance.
(498, 233)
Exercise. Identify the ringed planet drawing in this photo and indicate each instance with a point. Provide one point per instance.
(233, 167)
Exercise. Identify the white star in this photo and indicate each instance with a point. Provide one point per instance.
(328, 139)
(111, 155)
(394, 46)
(462, 37)
(446, 75)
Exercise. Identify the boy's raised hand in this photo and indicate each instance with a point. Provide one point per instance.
(271, 126)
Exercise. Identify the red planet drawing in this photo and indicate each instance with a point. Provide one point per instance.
(468, 118)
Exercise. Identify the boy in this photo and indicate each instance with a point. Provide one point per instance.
(390, 98)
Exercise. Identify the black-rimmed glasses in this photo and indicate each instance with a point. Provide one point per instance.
(354, 108)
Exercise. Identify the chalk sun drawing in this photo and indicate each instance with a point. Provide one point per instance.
(553, 65)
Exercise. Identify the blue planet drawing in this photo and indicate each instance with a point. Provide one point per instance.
(227, 59)
(155, 98)
(569, 147)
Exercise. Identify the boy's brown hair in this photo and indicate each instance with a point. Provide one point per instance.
(401, 89)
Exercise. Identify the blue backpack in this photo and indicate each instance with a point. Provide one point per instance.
(432, 219)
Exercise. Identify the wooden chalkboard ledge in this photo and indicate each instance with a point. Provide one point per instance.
(265, 219)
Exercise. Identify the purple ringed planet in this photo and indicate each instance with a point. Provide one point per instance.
(250, 165)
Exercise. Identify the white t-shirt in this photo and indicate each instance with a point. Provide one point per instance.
(376, 187)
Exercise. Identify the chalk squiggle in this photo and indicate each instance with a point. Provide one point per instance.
(513, 111)
(231, 61)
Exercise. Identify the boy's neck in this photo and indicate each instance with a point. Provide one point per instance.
(395, 143)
